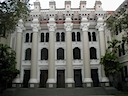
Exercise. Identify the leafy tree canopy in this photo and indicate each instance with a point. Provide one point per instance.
(7, 65)
(10, 13)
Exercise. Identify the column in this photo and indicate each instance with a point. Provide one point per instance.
(34, 57)
(69, 53)
(86, 54)
(17, 82)
(51, 83)
(100, 27)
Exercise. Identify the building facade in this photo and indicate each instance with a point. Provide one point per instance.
(58, 48)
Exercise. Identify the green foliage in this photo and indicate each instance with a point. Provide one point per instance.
(110, 60)
(10, 13)
(7, 64)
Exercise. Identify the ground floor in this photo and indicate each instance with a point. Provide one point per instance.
(60, 78)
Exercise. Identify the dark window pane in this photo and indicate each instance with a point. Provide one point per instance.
(27, 37)
(28, 54)
(60, 54)
(47, 37)
(31, 37)
(42, 37)
(44, 54)
(62, 36)
(78, 36)
(76, 53)
(57, 36)
(93, 54)
(73, 36)
(94, 36)
(89, 36)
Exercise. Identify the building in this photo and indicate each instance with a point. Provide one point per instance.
(118, 34)
(61, 47)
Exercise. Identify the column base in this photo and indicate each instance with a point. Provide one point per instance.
(105, 82)
(51, 83)
(16, 83)
(69, 83)
(33, 83)
(87, 82)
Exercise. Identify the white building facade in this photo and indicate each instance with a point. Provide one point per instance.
(58, 48)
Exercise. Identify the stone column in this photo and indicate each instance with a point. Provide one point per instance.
(17, 82)
(69, 54)
(100, 27)
(86, 53)
(34, 57)
(51, 83)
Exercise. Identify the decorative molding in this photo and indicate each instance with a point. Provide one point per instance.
(35, 27)
(52, 27)
(84, 26)
(100, 27)
(68, 27)
(20, 27)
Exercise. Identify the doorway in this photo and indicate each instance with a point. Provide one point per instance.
(43, 78)
(60, 78)
(95, 77)
(78, 77)
(26, 78)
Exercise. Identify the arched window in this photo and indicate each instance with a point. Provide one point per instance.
(94, 36)
(28, 54)
(73, 36)
(89, 36)
(78, 36)
(47, 37)
(44, 54)
(57, 36)
(93, 54)
(27, 37)
(31, 37)
(76, 53)
(62, 36)
(42, 37)
(60, 54)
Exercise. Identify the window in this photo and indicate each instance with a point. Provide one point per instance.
(47, 37)
(28, 54)
(60, 54)
(44, 54)
(57, 36)
(94, 36)
(93, 54)
(73, 36)
(27, 37)
(123, 49)
(78, 36)
(76, 53)
(42, 37)
(119, 50)
(31, 37)
(89, 36)
(62, 36)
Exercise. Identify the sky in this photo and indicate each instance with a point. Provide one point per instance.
(109, 5)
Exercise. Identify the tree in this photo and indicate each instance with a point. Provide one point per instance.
(7, 65)
(110, 59)
(10, 13)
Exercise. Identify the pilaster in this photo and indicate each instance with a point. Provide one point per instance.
(87, 82)
(100, 27)
(33, 77)
(51, 82)
(68, 26)
(19, 29)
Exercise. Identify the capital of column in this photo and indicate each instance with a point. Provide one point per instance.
(20, 27)
(52, 27)
(35, 25)
(68, 27)
(100, 27)
(84, 26)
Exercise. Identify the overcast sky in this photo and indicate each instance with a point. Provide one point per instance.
(109, 5)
